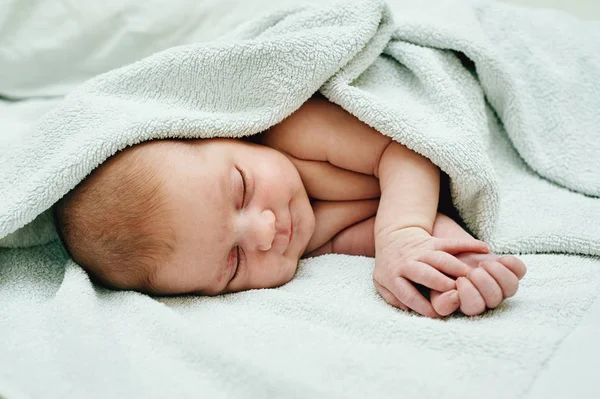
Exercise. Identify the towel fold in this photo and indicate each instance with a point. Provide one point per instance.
(504, 103)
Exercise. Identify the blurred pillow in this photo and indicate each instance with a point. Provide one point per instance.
(47, 47)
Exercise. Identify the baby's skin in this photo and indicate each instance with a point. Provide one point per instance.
(243, 213)
(372, 196)
(322, 182)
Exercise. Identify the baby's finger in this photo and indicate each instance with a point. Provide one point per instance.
(471, 302)
(509, 283)
(515, 265)
(428, 276)
(406, 293)
(487, 287)
(445, 263)
(458, 245)
(388, 296)
(444, 303)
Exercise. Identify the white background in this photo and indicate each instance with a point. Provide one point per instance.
(587, 9)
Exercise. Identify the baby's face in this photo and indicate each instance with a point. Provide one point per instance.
(240, 214)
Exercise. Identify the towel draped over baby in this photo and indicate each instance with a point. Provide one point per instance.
(512, 118)
(504, 100)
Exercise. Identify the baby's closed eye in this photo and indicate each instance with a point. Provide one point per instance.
(242, 188)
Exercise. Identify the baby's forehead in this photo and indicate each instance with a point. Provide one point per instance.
(198, 157)
(146, 156)
(155, 146)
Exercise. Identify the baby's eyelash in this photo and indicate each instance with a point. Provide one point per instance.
(244, 186)
(238, 262)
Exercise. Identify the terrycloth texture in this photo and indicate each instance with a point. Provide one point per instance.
(486, 95)
(75, 41)
(326, 334)
(416, 93)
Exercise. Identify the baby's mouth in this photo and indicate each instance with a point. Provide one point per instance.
(283, 237)
(291, 236)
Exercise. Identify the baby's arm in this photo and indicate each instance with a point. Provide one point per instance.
(323, 132)
(332, 220)
(405, 249)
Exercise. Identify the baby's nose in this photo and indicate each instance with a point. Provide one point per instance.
(263, 230)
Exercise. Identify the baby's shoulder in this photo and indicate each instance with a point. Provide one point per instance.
(303, 134)
(322, 131)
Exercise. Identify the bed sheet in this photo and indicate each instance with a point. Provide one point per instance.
(573, 369)
(325, 334)
(539, 344)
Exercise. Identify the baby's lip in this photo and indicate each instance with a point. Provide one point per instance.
(284, 236)
(291, 236)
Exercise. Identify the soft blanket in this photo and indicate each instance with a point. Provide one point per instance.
(504, 100)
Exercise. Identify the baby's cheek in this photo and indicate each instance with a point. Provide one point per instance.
(281, 272)
(271, 272)
(291, 268)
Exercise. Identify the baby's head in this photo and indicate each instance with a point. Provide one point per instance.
(189, 217)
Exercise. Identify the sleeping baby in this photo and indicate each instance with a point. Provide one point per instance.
(216, 216)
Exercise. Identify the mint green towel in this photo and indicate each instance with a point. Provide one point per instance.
(504, 100)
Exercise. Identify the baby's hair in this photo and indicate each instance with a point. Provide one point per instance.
(115, 222)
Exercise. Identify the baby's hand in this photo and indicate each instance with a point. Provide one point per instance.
(491, 280)
(412, 255)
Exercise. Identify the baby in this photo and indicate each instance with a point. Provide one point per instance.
(222, 215)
